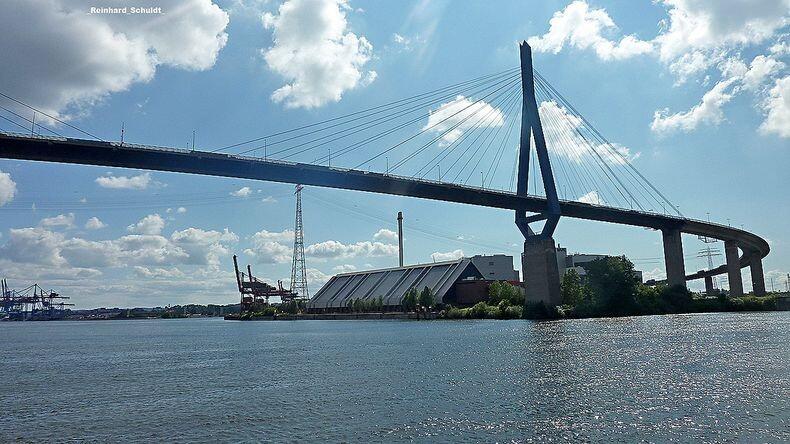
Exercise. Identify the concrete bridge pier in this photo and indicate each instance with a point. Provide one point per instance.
(709, 290)
(673, 257)
(758, 278)
(733, 268)
(540, 271)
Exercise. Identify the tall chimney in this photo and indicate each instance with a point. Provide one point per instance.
(400, 238)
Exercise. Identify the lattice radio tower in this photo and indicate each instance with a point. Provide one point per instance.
(298, 270)
(709, 253)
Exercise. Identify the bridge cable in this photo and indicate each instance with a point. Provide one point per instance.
(602, 163)
(487, 131)
(365, 110)
(14, 122)
(472, 144)
(445, 153)
(355, 145)
(428, 128)
(494, 106)
(365, 126)
(31, 122)
(491, 172)
(488, 146)
(596, 134)
(555, 132)
(474, 127)
(608, 144)
(51, 117)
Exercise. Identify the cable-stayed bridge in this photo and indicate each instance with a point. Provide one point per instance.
(508, 140)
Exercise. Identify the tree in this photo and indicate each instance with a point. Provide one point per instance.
(409, 302)
(613, 285)
(572, 288)
(380, 303)
(500, 291)
(426, 298)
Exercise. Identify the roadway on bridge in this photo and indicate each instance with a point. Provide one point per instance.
(115, 154)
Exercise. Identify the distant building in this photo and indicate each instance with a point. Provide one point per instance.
(497, 267)
(391, 285)
(578, 262)
(461, 282)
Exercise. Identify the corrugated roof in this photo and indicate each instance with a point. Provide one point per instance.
(392, 283)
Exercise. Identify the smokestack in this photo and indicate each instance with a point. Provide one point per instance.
(400, 238)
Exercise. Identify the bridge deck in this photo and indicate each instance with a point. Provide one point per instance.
(115, 154)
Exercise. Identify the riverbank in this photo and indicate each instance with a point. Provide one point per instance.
(333, 316)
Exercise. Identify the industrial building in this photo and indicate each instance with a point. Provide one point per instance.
(451, 282)
(497, 267)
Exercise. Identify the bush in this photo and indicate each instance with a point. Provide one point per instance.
(512, 312)
(456, 313)
(754, 303)
(677, 297)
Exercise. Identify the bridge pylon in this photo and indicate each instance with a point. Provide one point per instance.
(539, 268)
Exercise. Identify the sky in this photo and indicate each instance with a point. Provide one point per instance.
(697, 91)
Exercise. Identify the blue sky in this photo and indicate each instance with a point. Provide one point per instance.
(698, 91)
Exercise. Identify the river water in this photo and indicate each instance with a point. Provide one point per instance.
(705, 377)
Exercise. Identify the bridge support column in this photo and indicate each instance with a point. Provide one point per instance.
(540, 271)
(673, 257)
(733, 268)
(758, 278)
(709, 290)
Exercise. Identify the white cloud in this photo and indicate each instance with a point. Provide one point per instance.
(151, 224)
(709, 110)
(696, 36)
(61, 220)
(139, 182)
(269, 199)
(407, 44)
(192, 246)
(345, 268)
(581, 27)
(242, 192)
(780, 49)
(762, 67)
(267, 247)
(158, 273)
(336, 250)
(33, 245)
(7, 188)
(316, 279)
(657, 274)
(691, 64)
(203, 247)
(591, 198)
(386, 235)
(777, 107)
(316, 54)
(461, 114)
(736, 78)
(713, 24)
(448, 256)
(58, 55)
